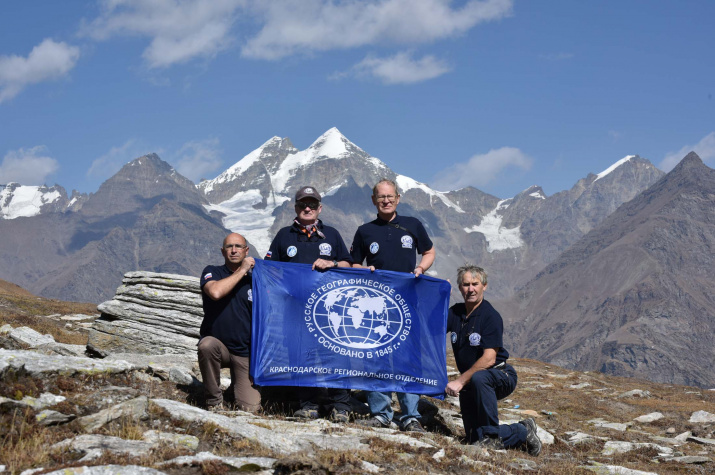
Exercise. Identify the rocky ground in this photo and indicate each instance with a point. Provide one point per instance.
(61, 411)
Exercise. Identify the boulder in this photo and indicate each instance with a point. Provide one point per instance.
(151, 313)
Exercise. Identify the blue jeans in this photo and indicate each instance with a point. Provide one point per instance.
(381, 406)
(478, 401)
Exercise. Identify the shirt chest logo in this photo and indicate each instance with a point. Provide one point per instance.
(406, 242)
(250, 295)
(374, 247)
(325, 249)
(475, 339)
(292, 251)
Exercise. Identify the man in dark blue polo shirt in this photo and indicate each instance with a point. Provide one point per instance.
(392, 242)
(226, 328)
(475, 330)
(309, 241)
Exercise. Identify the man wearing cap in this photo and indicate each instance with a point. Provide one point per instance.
(475, 329)
(309, 241)
(226, 328)
(392, 242)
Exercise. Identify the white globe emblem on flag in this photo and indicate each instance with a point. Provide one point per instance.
(358, 317)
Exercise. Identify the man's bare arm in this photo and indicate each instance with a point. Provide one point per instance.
(426, 261)
(218, 289)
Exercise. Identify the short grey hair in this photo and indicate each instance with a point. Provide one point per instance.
(475, 271)
(387, 181)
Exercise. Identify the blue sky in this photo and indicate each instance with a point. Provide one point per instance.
(496, 94)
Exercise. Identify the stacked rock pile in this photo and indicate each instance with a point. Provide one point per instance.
(151, 313)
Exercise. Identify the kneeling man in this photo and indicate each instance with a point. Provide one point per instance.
(475, 329)
(226, 327)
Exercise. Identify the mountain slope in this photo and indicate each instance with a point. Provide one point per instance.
(634, 297)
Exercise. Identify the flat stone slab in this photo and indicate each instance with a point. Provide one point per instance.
(170, 438)
(702, 416)
(602, 469)
(690, 459)
(28, 336)
(93, 446)
(48, 417)
(45, 400)
(107, 470)
(610, 425)
(576, 437)
(701, 440)
(241, 463)
(652, 417)
(39, 365)
(635, 393)
(134, 408)
(619, 447)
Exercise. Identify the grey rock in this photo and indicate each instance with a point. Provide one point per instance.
(610, 425)
(369, 467)
(580, 386)
(690, 459)
(178, 440)
(4, 330)
(93, 446)
(63, 349)
(635, 393)
(701, 440)
(576, 437)
(37, 365)
(29, 337)
(653, 416)
(702, 416)
(523, 464)
(45, 400)
(683, 437)
(241, 463)
(107, 470)
(135, 409)
(546, 437)
(48, 417)
(619, 447)
(602, 469)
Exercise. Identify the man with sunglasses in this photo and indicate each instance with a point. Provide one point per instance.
(392, 242)
(309, 241)
(226, 328)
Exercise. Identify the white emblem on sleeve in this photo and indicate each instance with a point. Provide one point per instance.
(406, 242)
(374, 247)
(454, 337)
(250, 295)
(475, 339)
(325, 249)
(292, 251)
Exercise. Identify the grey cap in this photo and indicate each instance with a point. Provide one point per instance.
(307, 192)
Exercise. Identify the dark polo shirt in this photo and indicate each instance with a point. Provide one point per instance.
(293, 245)
(228, 319)
(386, 246)
(470, 336)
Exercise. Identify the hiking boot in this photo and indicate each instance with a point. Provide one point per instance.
(340, 417)
(533, 443)
(372, 422)
(220, 407)
(414, 426)
(491, 443)
(306, 414)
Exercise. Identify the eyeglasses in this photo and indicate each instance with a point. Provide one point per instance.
(386, 197)
(309, 204)
(240, 247)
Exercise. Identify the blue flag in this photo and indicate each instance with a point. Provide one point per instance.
(348, 328)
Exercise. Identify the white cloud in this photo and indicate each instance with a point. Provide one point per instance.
(303, 26)
(196, 159)
(705, 150)
(179, 30)
(399, 69)
(27, 166)
(110, 163)
(480, 170)
(48, 60)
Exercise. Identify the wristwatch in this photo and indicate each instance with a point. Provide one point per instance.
(335, 263)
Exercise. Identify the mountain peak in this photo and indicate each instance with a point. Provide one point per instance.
(608, 170)
(691, 160)
(332, 144)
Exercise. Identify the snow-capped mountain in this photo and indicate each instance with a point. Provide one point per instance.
(18, 200)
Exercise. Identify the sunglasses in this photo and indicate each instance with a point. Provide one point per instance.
(310, 204)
